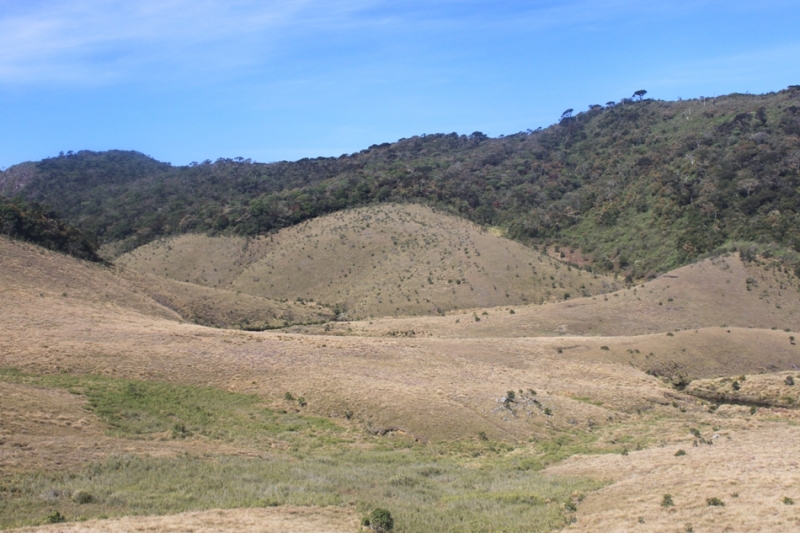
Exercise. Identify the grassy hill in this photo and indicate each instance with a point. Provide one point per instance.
(425, 363)
(370, 262)
(638, 187)
(53, 280)
(113, 405)
(722, 292)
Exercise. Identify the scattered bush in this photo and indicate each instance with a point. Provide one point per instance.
(81, 497)
(788, 501)
(56, 518)
(680, 453)
(789, 380)
(715, 502)
(381, 520)
(604, 348)
(667, 501)
(288, 397)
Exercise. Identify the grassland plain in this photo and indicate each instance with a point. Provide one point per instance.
(116, 397)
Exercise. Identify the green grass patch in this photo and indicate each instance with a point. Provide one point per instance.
(423, 493)
(139, 409)
(457, 486)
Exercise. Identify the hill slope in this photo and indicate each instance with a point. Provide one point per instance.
(31, 222)
(723, 292)
(63, 283)
(373, 261)
(638, 187)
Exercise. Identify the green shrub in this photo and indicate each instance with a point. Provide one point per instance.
(788, 501)
(680, 453)
(715, 502)
(56, 518)
(667, 501)
(381, 520)
(288, 396)
(789, 380)
(81, 497)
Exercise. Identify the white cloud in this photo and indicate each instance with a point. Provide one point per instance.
(108, 41)
(90, 40)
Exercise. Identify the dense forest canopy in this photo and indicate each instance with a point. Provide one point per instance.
(637, 186)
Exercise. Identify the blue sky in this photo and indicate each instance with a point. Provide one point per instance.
(270, 80)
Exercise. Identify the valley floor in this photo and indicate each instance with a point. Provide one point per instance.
(118, 415)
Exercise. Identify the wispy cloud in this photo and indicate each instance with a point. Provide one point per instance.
(91, 41)
(102, 41)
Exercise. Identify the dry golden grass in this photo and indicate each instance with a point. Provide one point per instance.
(209, 306)
(779, 389)
(284, 519)
(720, 292)
(751, 467)
(383, 260)
(445, 381)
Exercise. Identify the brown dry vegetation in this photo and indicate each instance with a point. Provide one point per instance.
(285, 519)
(720, 292)
(384, 260)
(577, 368)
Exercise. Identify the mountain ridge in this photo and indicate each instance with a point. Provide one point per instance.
(636, 188)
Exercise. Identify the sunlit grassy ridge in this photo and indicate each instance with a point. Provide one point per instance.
(373, 261)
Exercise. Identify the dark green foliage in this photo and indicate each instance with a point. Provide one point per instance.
(381, 520)
(667, 501)
(641, 187)
(56, 518)
(715, 502)
(29, 221)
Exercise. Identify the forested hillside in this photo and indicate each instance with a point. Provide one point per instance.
(33, 223)
(636, 187)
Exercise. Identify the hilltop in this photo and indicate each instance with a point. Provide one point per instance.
(637, 187)
(373, 261)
